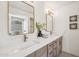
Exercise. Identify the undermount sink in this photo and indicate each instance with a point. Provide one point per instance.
(28, 45)
(21, 47)
(25, 46)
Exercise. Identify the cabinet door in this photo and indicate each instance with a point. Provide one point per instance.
(31, 55)
(55, 48)
(55, 52)
(42, 52)
(52, 49)
(59, 46)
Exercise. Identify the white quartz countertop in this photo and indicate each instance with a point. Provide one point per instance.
(28, 47)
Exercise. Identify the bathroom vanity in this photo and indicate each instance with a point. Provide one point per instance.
(53, 49)
(38, 47)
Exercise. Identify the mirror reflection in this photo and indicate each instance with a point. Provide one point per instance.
(49, 20)
(21, 18)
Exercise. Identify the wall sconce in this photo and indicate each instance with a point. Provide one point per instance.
(49, 11)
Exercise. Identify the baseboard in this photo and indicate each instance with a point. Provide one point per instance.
(70, 54)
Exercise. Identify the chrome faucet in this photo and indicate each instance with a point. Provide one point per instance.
(25, 37)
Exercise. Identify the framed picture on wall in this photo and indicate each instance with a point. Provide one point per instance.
(73, 26)
(73, 18)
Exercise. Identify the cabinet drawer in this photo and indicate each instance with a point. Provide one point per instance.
(52, 44)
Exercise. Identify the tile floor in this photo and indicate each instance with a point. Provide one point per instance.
(64, 54)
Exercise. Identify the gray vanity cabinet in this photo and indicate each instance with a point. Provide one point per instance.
(50, 50)
(42, 52)
(53, 49)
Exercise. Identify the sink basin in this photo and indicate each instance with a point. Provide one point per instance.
(21, 47)
(27, 45)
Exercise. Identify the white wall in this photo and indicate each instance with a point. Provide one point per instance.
(7, 40)
(61, 26)
(39, 11)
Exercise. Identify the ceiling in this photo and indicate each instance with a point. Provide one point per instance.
(58, 4)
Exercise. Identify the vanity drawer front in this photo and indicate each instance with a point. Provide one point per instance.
(52, 43)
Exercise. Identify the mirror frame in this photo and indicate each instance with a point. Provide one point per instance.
(28, 26)
(52, 23)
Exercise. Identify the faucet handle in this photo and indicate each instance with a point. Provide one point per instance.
(25, 37)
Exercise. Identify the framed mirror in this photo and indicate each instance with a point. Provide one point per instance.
(21, 18)
(49, 23)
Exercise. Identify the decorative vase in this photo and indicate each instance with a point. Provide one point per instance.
(39, 33)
